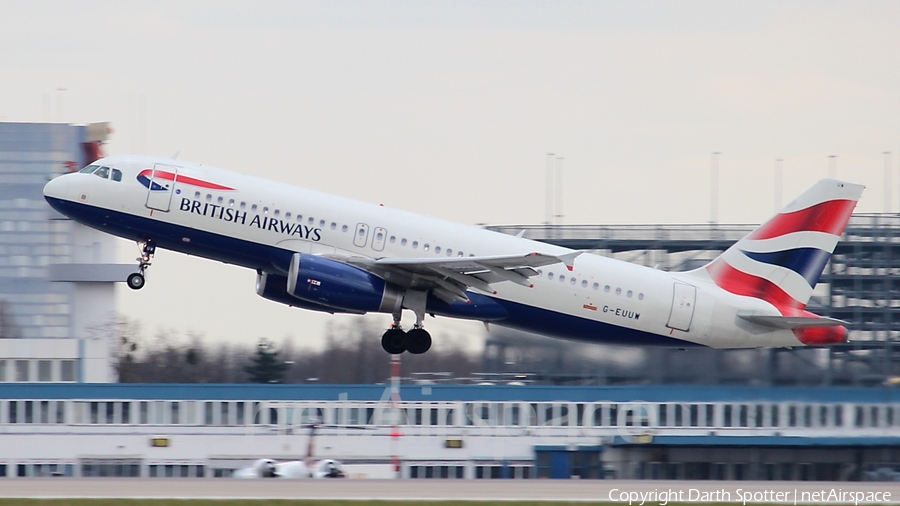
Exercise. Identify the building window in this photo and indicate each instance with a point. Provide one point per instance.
(44, 370)
(21, 370)
(2, 371)
(68, 370)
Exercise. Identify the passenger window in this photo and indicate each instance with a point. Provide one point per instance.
(437, 249)
(311, 220)
(449, 252)
(549, 275)
(116, 175)
(197, 195)
(459, 254)
(208, 197)
(220, 201)
(333, 225)
(425, 247)
(596, 286)
(321, 223)
(102, 172)
(606, 288)
(243, 205)
(402, 242)
(343, 228)
(584, 283)
(572, 281)
(629, 294)
(287, 215)
(277, 212)
(640, 296)
(393, 239)
(253, 208)
(265, 210)
(618, 291)
(415, 244)
(562, 279)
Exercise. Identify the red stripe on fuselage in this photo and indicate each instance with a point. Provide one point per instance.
(740, 283)
(181, 178)
(830, 217)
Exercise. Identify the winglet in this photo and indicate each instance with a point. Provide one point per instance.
(521, 233)
(569, 259)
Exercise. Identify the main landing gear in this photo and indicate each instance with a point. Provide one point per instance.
(395, 341)
(136, 280)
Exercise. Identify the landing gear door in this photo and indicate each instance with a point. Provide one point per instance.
(160, 186)
(682, 312)
(361, 236)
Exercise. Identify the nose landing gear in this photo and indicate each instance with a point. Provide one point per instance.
(136, 280)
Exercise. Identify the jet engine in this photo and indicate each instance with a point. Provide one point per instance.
(265, 468)
(337, 285)
(328, 469)
(274, 287)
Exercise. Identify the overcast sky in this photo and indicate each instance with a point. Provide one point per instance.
(449, 109)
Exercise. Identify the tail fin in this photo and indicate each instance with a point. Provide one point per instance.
(782, 260)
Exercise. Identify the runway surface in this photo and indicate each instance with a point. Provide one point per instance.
(555, 490)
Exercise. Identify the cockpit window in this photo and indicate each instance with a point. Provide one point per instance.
(116, 175)
(89, 169)
(102, 172)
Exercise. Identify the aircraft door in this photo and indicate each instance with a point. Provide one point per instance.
(161, 186)
(682, 313)
(361, 236)
(378, 239)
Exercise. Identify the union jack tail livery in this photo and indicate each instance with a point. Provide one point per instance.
(781, 261)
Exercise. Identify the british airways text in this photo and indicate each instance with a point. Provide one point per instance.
(264, 222)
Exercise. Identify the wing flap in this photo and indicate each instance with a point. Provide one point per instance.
(451, 276)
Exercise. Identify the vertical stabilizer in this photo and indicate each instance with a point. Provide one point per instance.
(782, 260)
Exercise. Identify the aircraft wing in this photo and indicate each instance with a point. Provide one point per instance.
(449, 278)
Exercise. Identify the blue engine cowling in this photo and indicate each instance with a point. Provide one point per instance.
(274, 287)
(338, 285)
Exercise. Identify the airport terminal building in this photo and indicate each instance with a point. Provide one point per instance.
(454, 432)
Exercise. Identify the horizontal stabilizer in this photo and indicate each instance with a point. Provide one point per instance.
(789, 322)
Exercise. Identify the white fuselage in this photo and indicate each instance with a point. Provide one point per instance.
(600, 299)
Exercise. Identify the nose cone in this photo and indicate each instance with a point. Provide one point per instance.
(56, 191)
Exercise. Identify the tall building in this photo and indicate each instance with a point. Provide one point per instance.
(56, 276)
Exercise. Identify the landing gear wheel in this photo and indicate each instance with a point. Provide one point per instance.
(136, 281)
(418, 341)
(394, 341)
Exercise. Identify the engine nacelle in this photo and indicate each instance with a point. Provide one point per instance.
(338, 285)
(328, 469)
(274, 287)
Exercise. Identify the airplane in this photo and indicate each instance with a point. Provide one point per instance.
(295, 469)
(327, 253)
